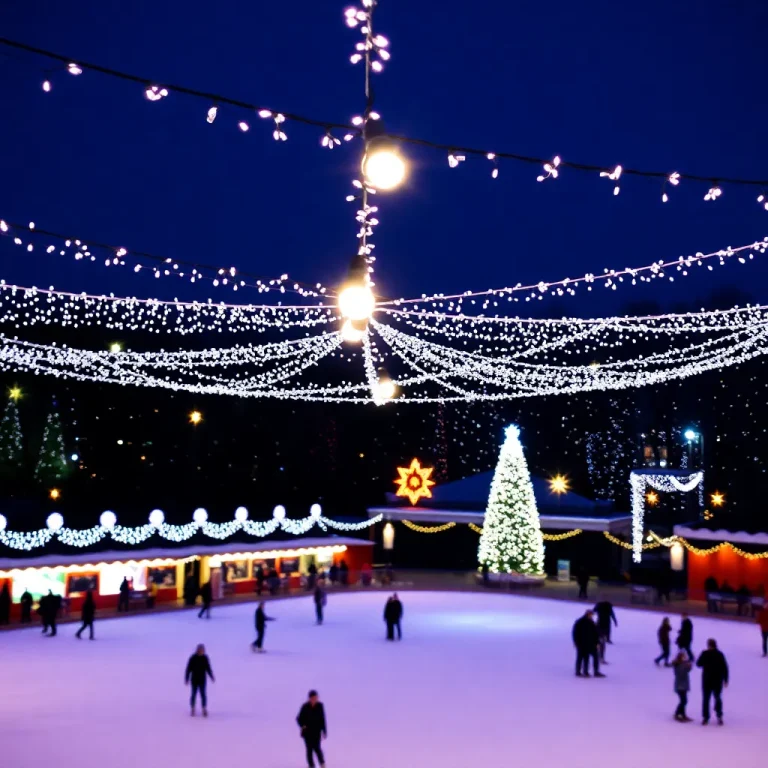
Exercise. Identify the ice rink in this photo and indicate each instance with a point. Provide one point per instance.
(478, 680)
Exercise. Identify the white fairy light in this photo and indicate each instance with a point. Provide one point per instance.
(47, 86)
(279, 134)
(243, 126)
(3, 522)
(761, 198)
(330, 141)
(211, 116)
(278, 513)
(315, 511)
(241, 514)
(74, 69)
(613, 175)
(156, 518)
(713, 193)
(454, 160)
(155, 92)
(550, 169)
(200, 516)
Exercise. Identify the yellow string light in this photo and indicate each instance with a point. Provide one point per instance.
(710, 550)
(561, 536)
(628, 545)
(476, 528)
(428, 529)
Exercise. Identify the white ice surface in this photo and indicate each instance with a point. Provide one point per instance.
(479, 680)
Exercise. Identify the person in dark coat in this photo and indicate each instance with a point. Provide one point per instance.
(714, 675)
(682, 668)
(206, 594)
(5, 604)
(259, 576)
(344, 573)
(393, 612)
(26, 607)
(685, 636)
(261, 625)
(586, 639)
(605, 615)
(88, 615)
(198, 672)
(665, 630)
(49, 610)
(711, 588)
(398, 616)
(311, 577)
(582, 579)
(311, 720)
(124, 602)
(333, 574)
(320, 601)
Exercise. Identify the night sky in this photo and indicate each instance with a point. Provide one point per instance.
(657, 85)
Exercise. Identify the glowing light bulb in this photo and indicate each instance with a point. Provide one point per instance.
(156, 518)
(115, 347)
(241, 514)
(54, 493)
(212, 112)
(200, 516)
(385, 389)
(352, 334)
(195, 417)
(55, 521)
(15, 393)
(3, 522)
(279, 512)
(47, 86)
(315, 511)
(384, 168)
(357, 302)
(558, 484)
(108, 520)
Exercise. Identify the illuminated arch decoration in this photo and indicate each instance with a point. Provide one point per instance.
(414, 482)
(666, 483)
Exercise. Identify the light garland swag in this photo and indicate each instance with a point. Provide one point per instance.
(87, 537)
(666, 483)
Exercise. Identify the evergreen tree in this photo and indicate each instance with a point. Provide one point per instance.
(52, 465)
(511, 541)
(11, 451)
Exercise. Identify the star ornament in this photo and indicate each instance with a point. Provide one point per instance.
(414, 482)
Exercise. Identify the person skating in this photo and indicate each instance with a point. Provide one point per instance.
(762, 620)
(311, 720)
(685, 636)
(389, 617)
(665, 630)
(714, 675)
(261, 625)
(124, 601)
(605, 615)
(5, 604)
(582, 579)
(320, 601)
(586, 639)
(198, 672)
(26, 607)
(682, 669)
(88, 615)
(49, 610)
(398, 616)
(206, 595)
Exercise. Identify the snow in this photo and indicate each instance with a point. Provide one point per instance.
(478, 680)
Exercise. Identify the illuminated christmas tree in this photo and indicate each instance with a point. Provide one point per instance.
(52, 464)
(511, 541)
(11, 451)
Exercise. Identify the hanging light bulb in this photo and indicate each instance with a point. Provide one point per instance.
(384, 389)
(383, 166)
(356, 299)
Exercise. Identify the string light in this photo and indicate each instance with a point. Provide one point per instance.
(428, 529)
(86, 537)
(561, 536)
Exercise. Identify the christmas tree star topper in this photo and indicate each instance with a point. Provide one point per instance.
(414, 482)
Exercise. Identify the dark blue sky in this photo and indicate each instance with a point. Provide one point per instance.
(658, 85)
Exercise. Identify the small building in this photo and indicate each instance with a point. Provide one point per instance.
(463, 503)
(230, 567)
(736, 555)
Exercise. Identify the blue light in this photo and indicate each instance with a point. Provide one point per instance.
(74, 457)
(689, 434)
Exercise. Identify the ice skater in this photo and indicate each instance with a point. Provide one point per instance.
(261, 625)
(26, 607)
(124, 601)
(586, 639)
(605, 615)
(311, 720)
(320, 601)
(682, 669)
(88, 615)
(198, 672)
(582, 579)
(665, 630)
(685, 636)
(206, 595)
(762, 620)
(393, 612)
(5, 605)
(49, 609)
(714, 675)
